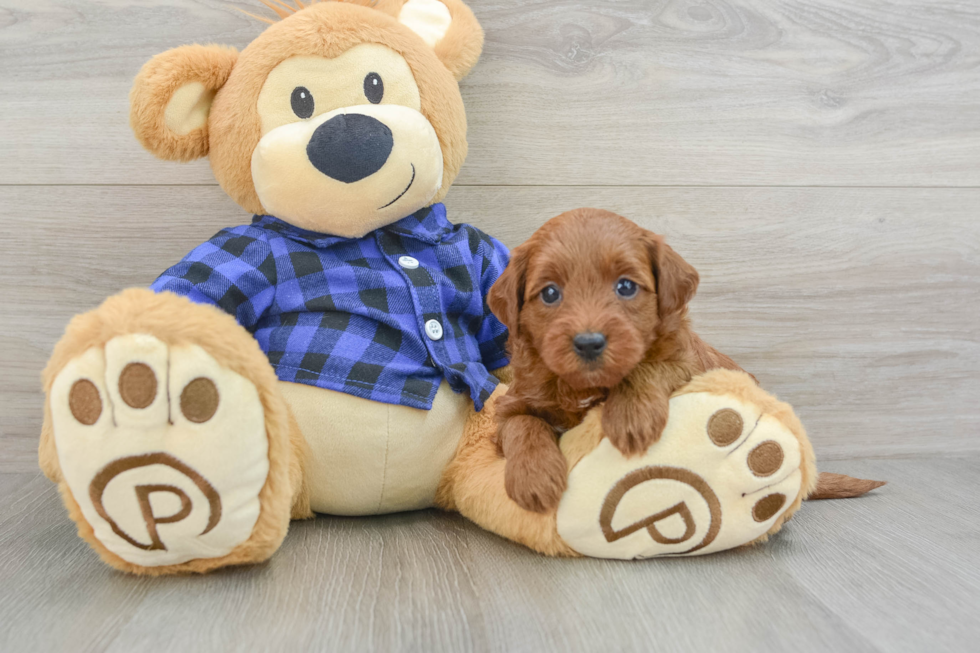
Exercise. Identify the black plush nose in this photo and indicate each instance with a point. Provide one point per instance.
(589, 346)
(350, 147)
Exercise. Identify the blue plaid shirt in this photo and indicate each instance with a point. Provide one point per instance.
(344, 314)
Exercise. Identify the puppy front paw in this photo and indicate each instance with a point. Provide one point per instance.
(535, 480)
(632, 426)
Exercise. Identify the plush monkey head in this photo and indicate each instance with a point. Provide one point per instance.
(340, 118)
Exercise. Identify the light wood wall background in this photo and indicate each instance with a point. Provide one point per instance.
(818, 161)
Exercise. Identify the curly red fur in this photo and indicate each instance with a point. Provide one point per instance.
(650, 349)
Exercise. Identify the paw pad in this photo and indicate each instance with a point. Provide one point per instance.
(137, 385)
(719, 476)
(724, 427)
(766, 507)
(163, 449)
(138, 388)
(84, 402)
(199, 400)
(765, 459)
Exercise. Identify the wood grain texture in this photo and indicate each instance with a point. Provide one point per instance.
(894, 571)
(858, 306)
(817, 160)
(663, 92)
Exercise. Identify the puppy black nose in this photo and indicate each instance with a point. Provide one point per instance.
(350, 147)
(589, 346)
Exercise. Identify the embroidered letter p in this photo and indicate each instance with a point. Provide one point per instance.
(98, 486)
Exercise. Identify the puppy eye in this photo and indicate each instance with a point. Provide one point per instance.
(626, 288)
(302, 102)
(551, 295)
(374, 88)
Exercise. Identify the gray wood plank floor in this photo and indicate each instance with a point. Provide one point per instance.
(898, 570)
(817, 160)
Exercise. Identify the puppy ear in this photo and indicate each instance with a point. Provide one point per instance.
(449, 28)
(677, 280)
(171, 99)
(506, 296)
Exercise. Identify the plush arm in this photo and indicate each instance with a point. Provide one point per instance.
(235, 270)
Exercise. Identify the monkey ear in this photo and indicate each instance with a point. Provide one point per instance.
(171, 99)
(448, 27)
(506, 296)
(677, 280)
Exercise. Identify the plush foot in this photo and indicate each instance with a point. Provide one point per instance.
(163, 449)
(163, 453)
(727, 471)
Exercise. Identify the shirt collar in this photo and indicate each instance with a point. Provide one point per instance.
(428, 225)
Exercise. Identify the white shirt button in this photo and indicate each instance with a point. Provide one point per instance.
(408, 262)
(433, 329)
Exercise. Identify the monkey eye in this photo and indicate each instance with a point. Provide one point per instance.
(626, 288)
(302, 102)
(551, 295)
(374, 88)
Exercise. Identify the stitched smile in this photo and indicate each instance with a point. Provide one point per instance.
(411, 181)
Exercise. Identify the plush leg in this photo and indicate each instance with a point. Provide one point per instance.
(473, 485)
(733, 464)
(166, 432)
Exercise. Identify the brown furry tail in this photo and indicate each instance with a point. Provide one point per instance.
(838, 486)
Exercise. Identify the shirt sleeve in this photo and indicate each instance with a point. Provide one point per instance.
(235, 270)
(492, 336)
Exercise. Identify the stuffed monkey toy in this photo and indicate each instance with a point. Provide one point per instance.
(337, 355)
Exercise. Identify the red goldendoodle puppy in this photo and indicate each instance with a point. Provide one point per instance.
(597, 311)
